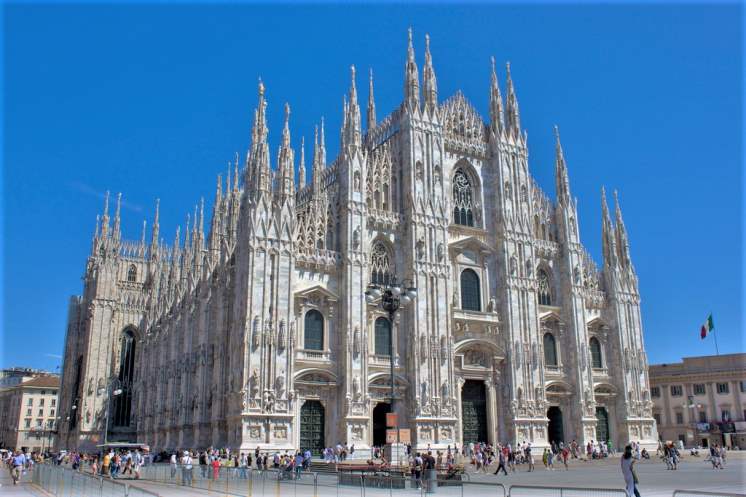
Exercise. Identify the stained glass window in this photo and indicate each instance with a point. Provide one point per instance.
(550, 350)
(380, 265)
(383, 337)
(462, 199)
(545, 293)
(313, 331)
(470, 299)
(595, 346)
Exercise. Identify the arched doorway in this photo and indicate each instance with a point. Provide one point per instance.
(474, 411)
(602, 424)
(555, 429)
(312, 427)
(379, 423)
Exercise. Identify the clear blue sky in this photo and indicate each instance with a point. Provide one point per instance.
(154, 100)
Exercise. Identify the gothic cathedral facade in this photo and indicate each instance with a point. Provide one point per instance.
(259, 334)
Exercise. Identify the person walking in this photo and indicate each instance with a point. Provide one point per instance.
(215, 468)
(529, 458)
(628, 472)
(174, 465)
(186, 469)
(18, 461)
(501, 463)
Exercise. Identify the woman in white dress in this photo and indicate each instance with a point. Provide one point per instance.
(628, 472)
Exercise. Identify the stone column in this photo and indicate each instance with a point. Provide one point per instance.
(491, 411)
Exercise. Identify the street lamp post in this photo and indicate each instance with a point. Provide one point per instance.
(112, 388)
(391, 296)
(691, 405)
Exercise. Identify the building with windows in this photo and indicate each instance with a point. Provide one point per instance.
(701, 400)
(258, 333)
(29, 413)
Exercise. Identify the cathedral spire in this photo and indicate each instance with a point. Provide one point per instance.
(142, 236)
(322, 145)
(117, 232)
(214, 238)
(607, 233)
(105, 217)
(622, 242)
(411, 78)
(235, 176)
(371, 105)
(351, 133)
(496, 102)
(316, 166)
(302, 166)
(258, 170)
(429, 83)
(187, 239)
(286, 161)
(512, 118)
(156, 229)
(561, 177)
(201, 232)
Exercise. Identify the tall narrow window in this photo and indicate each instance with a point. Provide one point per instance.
(380, 265)
(596, 360)
(314, 331)
(383, 337)
(132, 274)
(545, 293)
(470, 295)
(463, 199)
(550, 350)
(123, 401)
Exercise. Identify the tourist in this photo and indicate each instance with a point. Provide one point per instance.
(565, 455)
(215, 468)
(628, 472)
(173, 462)
(105, 464)
(501, 463)
(137, 463)
(529, 457)
(186, 469)
(18, 462)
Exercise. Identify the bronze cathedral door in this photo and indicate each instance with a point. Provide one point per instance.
(312, 427)
(474, 411)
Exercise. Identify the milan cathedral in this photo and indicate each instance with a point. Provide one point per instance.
(259, 333)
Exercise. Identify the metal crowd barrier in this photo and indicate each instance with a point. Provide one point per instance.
(697, 493)
(63, 482)
(542, 491)
(252, 482)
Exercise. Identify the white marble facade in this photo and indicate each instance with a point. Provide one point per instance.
(221, 340)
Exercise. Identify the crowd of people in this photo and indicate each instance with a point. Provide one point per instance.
(481, 457)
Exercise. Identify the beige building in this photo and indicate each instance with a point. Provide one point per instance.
(701, 400)
(28, 414)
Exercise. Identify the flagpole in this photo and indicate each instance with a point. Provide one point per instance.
(714, 335)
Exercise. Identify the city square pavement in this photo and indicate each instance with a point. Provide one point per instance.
(694, 474)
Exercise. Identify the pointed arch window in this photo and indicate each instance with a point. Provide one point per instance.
(596, 358)
(463, 199)
(313, 331)
(123, 401)
(470, 294)
(550, 350)
(132, 274)
(383, 337)
(545, 291)
(380, 261)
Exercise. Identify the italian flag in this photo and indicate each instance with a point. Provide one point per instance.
(707, 327)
